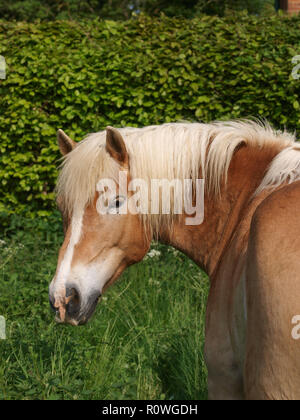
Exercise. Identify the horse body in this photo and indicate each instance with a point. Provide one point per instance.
(273, 290)
(248, 244)
(250, 352)
(220, 246)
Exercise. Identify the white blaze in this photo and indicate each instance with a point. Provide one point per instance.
(65, 265)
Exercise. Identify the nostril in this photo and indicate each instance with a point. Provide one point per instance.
(73, 299)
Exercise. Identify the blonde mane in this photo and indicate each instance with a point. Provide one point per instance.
(176, 151)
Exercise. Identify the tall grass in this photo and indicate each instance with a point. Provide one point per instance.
(145, 340)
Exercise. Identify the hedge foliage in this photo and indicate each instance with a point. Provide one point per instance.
(83, 76)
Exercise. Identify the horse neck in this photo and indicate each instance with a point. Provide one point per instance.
(225, 214)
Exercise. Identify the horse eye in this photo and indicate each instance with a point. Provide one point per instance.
(117, 203)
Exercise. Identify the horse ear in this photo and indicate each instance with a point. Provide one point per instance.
(65, 143)
(115, 146)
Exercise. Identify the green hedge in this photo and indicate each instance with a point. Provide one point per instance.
(83, 76)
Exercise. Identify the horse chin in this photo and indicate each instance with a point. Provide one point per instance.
(71, 321)
(67, 320)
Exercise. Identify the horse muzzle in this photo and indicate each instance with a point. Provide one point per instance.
(73, 308)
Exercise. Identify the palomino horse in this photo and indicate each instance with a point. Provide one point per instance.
(248, 243)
